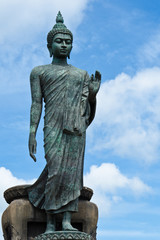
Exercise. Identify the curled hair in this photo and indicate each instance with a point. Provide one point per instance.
(53, 32)
(59, 27)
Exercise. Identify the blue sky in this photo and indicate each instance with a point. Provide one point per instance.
(121, 39)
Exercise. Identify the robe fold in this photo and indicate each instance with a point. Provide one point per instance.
(68, 113)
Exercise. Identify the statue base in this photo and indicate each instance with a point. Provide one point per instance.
(65, 235)
(22, 221)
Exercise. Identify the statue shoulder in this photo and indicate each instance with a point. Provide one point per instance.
(80, 71)
(37, 71)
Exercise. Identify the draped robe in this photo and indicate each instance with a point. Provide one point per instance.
(68, 113)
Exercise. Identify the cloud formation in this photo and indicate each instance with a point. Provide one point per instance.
(149, 53)
(24, 26)
(111, 187)
(22, 18)
(128, 116)
(7, 181)
(109, 184)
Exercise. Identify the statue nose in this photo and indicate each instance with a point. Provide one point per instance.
(64, 44)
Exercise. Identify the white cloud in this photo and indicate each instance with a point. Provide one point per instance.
(16, 66)
(150, 51)
(18, 19)
(106, 181)
(128, 116)
(7, 180)
(24, 26)
(110, 186)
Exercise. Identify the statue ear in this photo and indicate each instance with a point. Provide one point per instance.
(69, 53)
(50, 51)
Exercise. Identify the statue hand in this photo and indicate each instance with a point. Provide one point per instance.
(32, 146)
(94, 85)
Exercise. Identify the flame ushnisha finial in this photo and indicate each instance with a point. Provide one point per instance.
(59, 27)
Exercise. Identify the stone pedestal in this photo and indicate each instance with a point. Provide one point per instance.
(68, 235)
(22, 221)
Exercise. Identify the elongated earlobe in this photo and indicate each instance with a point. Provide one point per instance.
(50, 52)
(69, 53)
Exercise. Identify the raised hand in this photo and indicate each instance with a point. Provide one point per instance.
(94, 85)
(32, 146)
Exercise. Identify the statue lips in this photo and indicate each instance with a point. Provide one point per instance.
(63, 51)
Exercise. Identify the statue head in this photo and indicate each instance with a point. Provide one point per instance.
(59, 29)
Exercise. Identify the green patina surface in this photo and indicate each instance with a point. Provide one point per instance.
(69, 95)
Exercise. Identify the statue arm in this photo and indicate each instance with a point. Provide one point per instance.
(35, 112)
(94, 86)
(90, 88)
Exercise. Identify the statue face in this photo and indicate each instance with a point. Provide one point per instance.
(62, 45)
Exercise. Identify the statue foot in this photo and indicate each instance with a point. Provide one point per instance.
(50, 228)
(66, 226)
